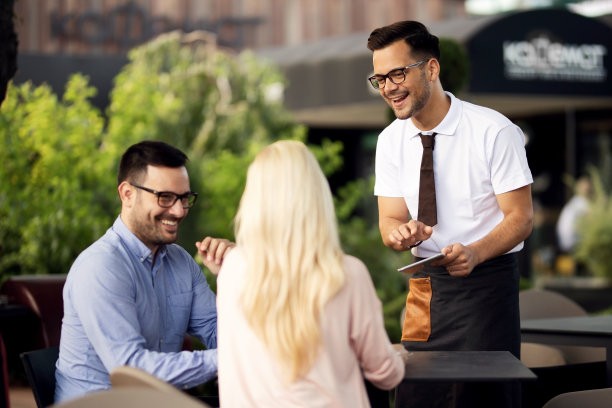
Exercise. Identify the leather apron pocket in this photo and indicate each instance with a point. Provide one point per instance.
(417, 320)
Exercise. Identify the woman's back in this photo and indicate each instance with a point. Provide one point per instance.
(353, 339)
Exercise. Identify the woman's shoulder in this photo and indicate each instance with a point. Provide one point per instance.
(234, 264)
(358, 283)
(354, 267)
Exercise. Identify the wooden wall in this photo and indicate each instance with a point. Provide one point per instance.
(113, 26)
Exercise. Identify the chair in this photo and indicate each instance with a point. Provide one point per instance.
(600, 398)
(39, 367)
(535, 355)
(540, 304)
(130, 397)
(42, 295)
(560, 369)
(126, 376)
(4, 383)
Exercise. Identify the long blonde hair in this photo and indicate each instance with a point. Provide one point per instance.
(286, 227)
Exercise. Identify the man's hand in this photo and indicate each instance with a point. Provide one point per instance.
(408, 234)
(213, 251)
(401, 351)
(459, 261)
(516, 226)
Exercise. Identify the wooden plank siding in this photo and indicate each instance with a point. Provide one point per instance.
(113, 26)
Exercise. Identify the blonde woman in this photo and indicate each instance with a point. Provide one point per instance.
(299, 322)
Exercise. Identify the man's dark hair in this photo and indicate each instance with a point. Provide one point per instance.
(422, 43)
(137, 157)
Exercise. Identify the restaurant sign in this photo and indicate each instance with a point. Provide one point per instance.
(545, 59)
(545, 51)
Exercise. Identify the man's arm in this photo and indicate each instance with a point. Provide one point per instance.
(397, 230)
(203, 316)
(103, 296)
(516, 226)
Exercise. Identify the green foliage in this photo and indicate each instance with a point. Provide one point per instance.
(58, 183)
(216, 107)
(454, 66)
(360, 237)
(594, 248)
(50, 206)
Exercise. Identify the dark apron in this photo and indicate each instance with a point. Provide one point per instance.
(478, 312)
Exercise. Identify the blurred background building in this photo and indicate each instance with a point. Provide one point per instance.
(112, 26)
(544, 64)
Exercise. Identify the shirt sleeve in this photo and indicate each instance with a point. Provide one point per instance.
(509, 166)
(386, 169)
(380, 362)
(103, 296)
(203, 319)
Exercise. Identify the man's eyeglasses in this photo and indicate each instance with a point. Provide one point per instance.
(397, 76)
(167, 199)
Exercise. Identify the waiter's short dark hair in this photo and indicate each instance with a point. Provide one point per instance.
(422, 43)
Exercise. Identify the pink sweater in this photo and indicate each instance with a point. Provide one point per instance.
(355, 345)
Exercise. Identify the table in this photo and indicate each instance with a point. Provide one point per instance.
(465, 366)
(495, 374)
(593, 331)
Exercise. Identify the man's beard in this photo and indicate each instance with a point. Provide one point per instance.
(419, 100)
(150, 234)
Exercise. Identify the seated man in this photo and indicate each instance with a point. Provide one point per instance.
(132, 295)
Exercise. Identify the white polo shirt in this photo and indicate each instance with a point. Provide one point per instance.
(478, 153)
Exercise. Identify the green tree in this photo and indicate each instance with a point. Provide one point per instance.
(594, 248)
(51, 202)
(454, 65)
(58, 187)
(216, 107)
(357, 213)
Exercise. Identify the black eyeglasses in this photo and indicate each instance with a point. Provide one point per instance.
(167, 199)
(397, 76)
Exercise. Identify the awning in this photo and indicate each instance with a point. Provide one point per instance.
(522, 64)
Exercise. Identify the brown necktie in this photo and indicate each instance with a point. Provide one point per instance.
(427, 186)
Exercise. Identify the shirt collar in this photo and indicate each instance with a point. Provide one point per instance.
(449, 124)
(133, 244)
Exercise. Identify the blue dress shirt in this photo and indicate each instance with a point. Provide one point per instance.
(120, 309)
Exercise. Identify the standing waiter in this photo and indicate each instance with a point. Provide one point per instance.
(473, 203)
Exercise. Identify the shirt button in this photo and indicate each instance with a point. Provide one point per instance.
(141, 259)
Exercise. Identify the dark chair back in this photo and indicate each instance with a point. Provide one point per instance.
(42, 295)
(4, 384)
(39, 366)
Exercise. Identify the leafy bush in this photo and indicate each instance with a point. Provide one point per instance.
(52, 204)
(214, 106)
(594, 248)
(58, 182)
(454, 65)
(360, 236)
